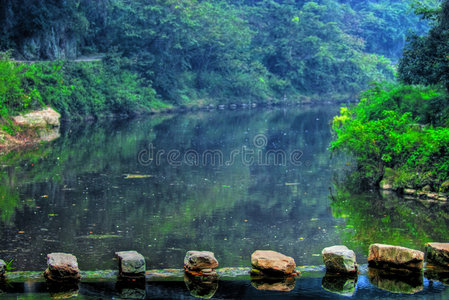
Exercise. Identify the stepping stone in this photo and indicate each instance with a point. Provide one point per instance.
(62, 267)
(395, 257)
(200, 263)
(2, 268)
(438, 253)
(273, 263)
(131, 264)
(339, 259)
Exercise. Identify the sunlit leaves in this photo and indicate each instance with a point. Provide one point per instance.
(383, 131)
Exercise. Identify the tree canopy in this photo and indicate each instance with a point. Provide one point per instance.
(221, 49)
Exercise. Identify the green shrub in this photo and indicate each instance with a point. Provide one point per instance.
(385, 130)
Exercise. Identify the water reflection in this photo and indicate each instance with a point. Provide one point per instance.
(396, 282)
(371, 217)
(87, 193)
(201, 286)
(344, 285)
(282, 284)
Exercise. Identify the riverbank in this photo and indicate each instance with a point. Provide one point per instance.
(20, 136)
(29, 129)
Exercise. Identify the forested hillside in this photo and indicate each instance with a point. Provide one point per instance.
(195, 51)
(399, 133)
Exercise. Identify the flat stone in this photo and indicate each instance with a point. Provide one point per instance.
(2, 268)
(395, 257)
(272, 262)
(62, 267)
(409, 191)
(131, 263)
(42, 118)
(339, 259)
(438, 253)
(432, 195)
(200, 261)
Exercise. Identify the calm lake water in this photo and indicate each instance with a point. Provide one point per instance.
(230, 182)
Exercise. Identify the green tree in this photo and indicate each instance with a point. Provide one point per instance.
(426, 58)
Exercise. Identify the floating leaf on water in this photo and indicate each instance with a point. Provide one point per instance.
(301, 238)
(316, 255)
(137, 176)
(52, 215)
(21, 232)
(226, 186)
(292, 183)
(314, 219)
(44, 196)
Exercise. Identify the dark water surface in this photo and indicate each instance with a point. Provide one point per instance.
(230, 182)
(304, 288)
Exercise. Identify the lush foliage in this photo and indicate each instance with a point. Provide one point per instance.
(192, 50)
(426, 58)
(396, 126)
(402, 127)
(76, 89)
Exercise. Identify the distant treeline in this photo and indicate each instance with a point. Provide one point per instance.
(190, 49)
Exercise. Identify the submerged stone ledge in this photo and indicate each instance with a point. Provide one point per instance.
(158, 274)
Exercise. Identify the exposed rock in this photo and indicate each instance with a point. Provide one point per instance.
(131, 264)
(339, 259)
(284, 284)
(409, 192)
(395, 257)
(62, 267)
(41, 119)
(201, 286)
(396, 282)
(432, 195)
(438, 253)
(200, 262)
(384, 185)
(422, 194)
(48, 135)
(273, 263)
(341, 285)
(2, 268)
